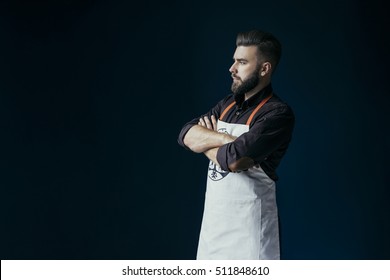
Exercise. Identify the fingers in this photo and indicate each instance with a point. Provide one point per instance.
(208, 123)
(205, 122)
(214, 122)
(201, 122)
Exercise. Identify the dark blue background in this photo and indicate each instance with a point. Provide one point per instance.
(93, 96)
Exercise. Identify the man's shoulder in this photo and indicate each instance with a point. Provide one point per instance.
(277, 106)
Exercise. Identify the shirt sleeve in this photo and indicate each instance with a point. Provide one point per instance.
(216, 111)
(268, 133)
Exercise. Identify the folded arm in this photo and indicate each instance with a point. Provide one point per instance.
(267, 135)
(204, 136)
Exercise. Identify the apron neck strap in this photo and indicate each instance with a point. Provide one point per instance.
(226, 110)
(253, 113)
(258, 108)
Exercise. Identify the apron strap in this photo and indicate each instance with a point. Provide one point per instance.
(253, 113)
(258, 108)
(226, 110)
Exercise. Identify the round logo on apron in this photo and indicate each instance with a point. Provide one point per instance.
(216, 173)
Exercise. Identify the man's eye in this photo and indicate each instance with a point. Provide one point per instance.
(242, 62)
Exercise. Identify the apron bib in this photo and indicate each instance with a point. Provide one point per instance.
(240, 218)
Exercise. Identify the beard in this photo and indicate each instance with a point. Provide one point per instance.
(247, 85)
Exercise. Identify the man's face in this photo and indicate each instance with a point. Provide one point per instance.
(245, 70)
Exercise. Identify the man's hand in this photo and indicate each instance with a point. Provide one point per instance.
(204, 136)
(205, 122)
(211, 154)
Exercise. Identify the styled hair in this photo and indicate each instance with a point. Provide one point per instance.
(267, 45)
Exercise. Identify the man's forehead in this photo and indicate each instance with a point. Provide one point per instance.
(245, 52)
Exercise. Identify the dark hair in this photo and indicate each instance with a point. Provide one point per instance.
(267, 45)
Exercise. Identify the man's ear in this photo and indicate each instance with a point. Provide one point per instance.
(266, 68)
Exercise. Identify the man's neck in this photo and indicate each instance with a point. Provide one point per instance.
(255, 90)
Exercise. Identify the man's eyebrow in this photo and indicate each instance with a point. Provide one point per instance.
(240, 59)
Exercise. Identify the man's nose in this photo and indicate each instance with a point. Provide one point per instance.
(233, 69)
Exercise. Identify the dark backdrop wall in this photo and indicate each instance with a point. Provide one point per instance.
(94, 94)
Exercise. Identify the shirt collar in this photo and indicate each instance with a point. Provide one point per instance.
(253, 100)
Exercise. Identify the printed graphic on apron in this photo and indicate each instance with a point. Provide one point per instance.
(223, 130)
(215, 172)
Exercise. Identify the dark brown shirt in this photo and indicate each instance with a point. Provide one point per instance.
(269, 132)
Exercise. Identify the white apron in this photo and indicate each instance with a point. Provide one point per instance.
(240, 219)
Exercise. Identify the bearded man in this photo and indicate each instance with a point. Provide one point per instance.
(245, 137)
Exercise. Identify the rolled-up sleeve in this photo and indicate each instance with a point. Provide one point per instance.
(267, 134)
(216, 111)
(184, 131)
